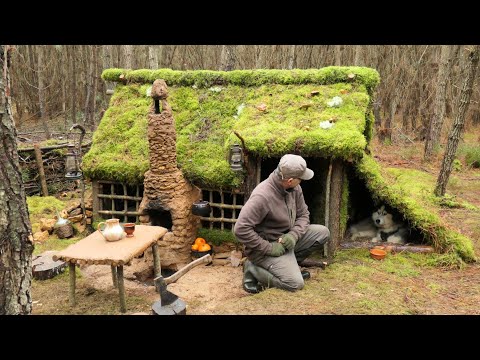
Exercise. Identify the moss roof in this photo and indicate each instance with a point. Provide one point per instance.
(275, 112)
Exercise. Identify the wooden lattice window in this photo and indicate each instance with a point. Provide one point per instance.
(117, 200)
(225, 209)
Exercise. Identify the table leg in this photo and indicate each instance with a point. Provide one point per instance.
(114, 275)
(121, 289)
(156, 261)
(71, 270)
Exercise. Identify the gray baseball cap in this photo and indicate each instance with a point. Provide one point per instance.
(294, 166)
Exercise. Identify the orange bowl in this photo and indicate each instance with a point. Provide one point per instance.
(378, 254)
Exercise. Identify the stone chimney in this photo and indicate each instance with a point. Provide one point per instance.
(168, 196)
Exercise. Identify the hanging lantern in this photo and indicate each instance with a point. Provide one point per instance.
(72, 171)
(236, 158)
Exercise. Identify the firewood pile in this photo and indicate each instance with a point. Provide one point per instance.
(74, 218)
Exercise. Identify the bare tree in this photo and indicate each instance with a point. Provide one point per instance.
(358, 55)
(152, 57)
(338, 55)
(73, 83)
(16, 244)
(292, 58)
(435, 127)
(107, 60)
(458, 125)
(90, 90)
(227, 62)
(41, 90)
(260, 56)
(128, 53)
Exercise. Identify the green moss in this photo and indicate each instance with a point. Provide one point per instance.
(207, 117)
(43, 206)
(216, 236)
(120, 148)
(206, 78)
(410, 192)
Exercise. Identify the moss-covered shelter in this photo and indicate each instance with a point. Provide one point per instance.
(324, 115)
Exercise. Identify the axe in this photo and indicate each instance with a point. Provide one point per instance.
(169, 303)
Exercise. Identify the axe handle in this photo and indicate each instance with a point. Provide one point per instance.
(204, 259)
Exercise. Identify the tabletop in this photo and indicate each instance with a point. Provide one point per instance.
(94, 249)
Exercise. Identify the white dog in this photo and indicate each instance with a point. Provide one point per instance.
(380, 227)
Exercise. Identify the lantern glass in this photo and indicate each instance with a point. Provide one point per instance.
(236, 158)
(71, 166)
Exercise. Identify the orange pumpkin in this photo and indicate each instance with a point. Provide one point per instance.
(195, 247)
(204, 247)
(200, 241)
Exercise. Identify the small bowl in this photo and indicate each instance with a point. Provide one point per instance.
(378, 254)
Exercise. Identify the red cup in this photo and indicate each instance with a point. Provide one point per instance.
(129, 229)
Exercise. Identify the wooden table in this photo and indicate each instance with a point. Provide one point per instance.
(94, 249)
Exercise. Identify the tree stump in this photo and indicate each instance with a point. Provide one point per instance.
(44, 267)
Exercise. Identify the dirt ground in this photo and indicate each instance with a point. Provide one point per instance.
(353, 284)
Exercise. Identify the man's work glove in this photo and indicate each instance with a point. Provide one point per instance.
(288, 241)
(277, 249)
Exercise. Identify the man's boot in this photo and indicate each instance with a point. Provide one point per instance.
(305, 274)
(250, 283)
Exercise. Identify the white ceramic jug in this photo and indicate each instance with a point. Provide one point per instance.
(113, 231)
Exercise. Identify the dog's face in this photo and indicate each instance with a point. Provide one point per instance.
(382, 219)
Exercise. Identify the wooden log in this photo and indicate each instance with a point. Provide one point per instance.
(45, 267)
(52, 147)
(388, 246)
(41, 170)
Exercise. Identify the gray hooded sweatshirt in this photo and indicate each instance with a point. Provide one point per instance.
(269, 213)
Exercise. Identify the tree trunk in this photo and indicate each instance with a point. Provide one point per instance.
(338, 55)
(458, 125)
(41, 90)
(63, 60)
(358, 55)
(260, 56)
(107, 64)
(87, 119)
(435, 126)
(94, 85)
(128, 53)
(292, 58)
(16, 244)
(227, 62)
(73, 78)
(152, 57)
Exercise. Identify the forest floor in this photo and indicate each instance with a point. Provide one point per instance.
(354, 283)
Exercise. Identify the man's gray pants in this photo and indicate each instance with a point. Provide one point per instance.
(283, 271)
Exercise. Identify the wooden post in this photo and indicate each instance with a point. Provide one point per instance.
(96, 200)
(71, 268)
(121, 289)
(252, 177)
(41, 171)
(335, 197)
(114, 276)
(327, 250)
(156, 261)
